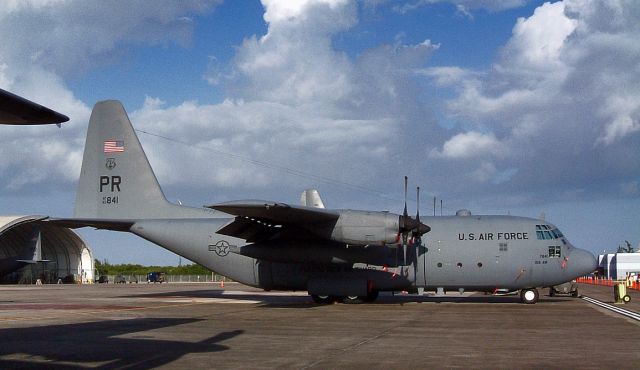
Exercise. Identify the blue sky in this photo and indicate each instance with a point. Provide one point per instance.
(519, 107)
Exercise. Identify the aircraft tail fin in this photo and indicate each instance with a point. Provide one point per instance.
(311, 198)
(32, 252)
(116, 180)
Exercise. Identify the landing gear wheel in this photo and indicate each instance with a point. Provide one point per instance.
(626, 299)
(552, 292)
(575, 294)
(529, 296)
(322, 299)
(353, 299)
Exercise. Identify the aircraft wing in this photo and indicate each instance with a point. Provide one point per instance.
(259, 220)
(74, 223)
(16, 110)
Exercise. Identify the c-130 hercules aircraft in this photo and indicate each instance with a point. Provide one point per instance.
(344, 255)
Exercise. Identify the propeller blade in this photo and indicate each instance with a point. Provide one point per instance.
(419, 228)
(404, 213)
(418, 205)
(404, 227)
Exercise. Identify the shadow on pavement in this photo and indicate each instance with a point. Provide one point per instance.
(78, 346)
(278, 299)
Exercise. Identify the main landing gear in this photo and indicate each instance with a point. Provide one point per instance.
(529, 295)
(354, 299)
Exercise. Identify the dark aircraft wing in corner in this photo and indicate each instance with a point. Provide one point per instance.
(16, 110)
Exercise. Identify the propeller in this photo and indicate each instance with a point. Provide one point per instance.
(410, 225)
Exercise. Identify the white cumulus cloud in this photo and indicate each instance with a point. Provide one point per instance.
(470, 145)
(563, 96)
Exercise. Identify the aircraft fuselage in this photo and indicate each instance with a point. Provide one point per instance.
(460, 252)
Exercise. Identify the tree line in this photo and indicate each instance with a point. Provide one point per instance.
(105, 268)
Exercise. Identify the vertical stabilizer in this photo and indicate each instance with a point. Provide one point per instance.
(116, 180)
(32, 252)
(311, 198)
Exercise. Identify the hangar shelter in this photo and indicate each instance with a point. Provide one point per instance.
(69, 258)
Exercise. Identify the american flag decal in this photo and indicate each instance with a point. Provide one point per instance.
(113, 146)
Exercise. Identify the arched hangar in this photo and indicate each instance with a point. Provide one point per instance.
(66, 256)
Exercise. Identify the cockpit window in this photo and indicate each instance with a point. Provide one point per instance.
(554, 251)
(547, 232)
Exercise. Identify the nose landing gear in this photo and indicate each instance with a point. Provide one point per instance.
(529, 295)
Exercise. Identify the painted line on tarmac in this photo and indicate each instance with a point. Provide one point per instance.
(621, 311)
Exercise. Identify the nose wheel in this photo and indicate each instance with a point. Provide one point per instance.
(529, 296)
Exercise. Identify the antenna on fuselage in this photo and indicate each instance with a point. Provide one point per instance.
(434, 206)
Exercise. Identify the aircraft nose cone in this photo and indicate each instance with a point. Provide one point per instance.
(583, 262)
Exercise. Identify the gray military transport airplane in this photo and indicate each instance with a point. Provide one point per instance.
(342, 254)
(29, 255)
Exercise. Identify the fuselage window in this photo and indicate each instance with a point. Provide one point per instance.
(503, 247)
(554, 251)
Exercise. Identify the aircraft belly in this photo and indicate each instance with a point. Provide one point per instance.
(303, 276)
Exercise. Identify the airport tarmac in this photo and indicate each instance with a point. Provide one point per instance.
(145, 326)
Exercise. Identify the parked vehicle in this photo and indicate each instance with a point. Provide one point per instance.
(103, 279)
(120, 279)
(155, 277)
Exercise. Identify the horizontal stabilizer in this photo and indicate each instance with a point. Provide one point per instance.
(75, 223)
(32, 261)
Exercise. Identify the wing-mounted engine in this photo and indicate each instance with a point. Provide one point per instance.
(366, 228)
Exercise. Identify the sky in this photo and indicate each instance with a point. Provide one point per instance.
(514, 107)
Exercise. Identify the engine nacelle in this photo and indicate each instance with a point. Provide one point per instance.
(364, 228)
